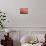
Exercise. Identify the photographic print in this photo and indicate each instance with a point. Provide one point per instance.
(23, 10)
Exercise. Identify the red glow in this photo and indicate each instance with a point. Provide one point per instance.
(23, 10)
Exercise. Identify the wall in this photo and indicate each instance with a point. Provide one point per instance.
(34, 21)
(35, 18)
